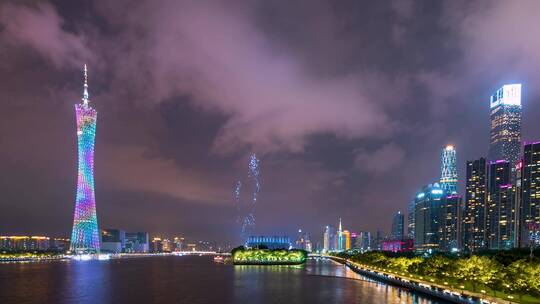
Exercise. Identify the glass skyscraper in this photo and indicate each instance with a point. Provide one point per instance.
(85, 234)
(505, 135)
(436, 219)
(449, 177)
(398, 226)
(427, 227)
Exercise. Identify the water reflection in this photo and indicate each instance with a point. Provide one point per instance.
(318, 281)
(191, 280)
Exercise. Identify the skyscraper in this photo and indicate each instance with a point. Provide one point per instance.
(500, 214)
(329, 239)
(449, 217)
(474, 214)
(436, 217)
(449, 177)
(365, 237)
(505, 135)
(530, 198)
(410, 220)
(326, 239)
(398, 226)
(346, 240)
(427, 229)
(85, 234)
(340, 245)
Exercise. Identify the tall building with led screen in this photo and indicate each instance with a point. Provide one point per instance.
(85, 234)
(505, 135)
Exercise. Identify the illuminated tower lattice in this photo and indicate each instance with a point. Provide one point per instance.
(85, 234)
(449, 176)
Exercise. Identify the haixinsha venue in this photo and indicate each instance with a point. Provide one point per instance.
(243, 256)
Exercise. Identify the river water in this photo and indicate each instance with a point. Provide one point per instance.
(189, 279)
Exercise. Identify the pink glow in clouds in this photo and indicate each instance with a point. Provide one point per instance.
(214, 54)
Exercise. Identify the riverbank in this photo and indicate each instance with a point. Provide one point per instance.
(444, 292)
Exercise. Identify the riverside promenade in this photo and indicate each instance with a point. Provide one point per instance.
(445, 292)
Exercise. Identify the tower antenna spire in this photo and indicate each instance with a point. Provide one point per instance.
(85, 93)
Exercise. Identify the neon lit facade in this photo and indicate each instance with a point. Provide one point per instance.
(505, 135)
(85, 234)
(449, 177)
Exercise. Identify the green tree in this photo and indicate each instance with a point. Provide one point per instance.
(477, 270)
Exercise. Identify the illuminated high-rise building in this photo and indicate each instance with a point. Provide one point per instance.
(449, 218)
(85, 234)
(530, 196)
(340, 237)
(328, 239)
(346, 240)
(500, 211)
(505, 135)
(397, 226)
(436, 219)
(427, 226)
(365, 240)
(474, 213)
(449, 177)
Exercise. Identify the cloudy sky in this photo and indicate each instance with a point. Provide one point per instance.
(346, 103)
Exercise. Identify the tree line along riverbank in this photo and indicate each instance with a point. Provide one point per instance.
(503, 274)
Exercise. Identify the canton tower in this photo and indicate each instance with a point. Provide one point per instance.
(85, 234)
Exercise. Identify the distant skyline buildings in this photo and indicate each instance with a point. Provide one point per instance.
(85, 235)
(449, 176)
(505, 129)
(328, 238)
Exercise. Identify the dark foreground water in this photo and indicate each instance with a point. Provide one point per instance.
(191, 280)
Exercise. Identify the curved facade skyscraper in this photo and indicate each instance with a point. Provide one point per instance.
(85, 234)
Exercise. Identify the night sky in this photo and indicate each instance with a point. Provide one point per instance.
(347, 104)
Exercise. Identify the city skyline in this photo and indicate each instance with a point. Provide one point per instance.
(175, 134)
